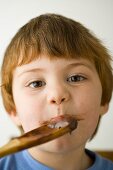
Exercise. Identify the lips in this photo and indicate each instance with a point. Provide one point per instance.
(61, 121)
(59, 124)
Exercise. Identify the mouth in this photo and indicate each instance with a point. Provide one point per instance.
(59, 124)
(62, 121)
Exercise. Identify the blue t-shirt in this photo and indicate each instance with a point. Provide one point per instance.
(23, 161)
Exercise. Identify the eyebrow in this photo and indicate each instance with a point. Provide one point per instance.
(67, 66)
(81, 64)
(30, 71)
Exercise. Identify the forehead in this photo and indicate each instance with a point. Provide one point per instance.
(43, 63)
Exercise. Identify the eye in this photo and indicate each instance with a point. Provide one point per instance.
(36, 84)
(76, 78)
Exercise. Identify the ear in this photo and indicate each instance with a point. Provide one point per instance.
(104, 109)
(15, 118)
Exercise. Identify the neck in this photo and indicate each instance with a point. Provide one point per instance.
(74, 160)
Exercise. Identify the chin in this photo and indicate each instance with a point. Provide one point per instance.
(60, 145)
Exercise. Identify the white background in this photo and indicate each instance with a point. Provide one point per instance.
(95, 14)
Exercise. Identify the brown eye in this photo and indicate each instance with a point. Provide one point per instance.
(76, 78)
(36, 84)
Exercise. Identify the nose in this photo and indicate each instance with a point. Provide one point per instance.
(58, 95)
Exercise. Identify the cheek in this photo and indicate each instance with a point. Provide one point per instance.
(89, 105)
(29, 110)
(88, 99)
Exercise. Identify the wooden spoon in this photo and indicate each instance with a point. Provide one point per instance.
(38, 136)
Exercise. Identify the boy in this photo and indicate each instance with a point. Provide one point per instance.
(54, 66)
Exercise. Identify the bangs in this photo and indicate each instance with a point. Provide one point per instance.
(60, 38)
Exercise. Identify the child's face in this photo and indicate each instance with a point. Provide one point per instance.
(46, 88)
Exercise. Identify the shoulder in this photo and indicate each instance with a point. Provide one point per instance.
(10, 162)
(21, 161)
(100, 162)
(6, 162)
